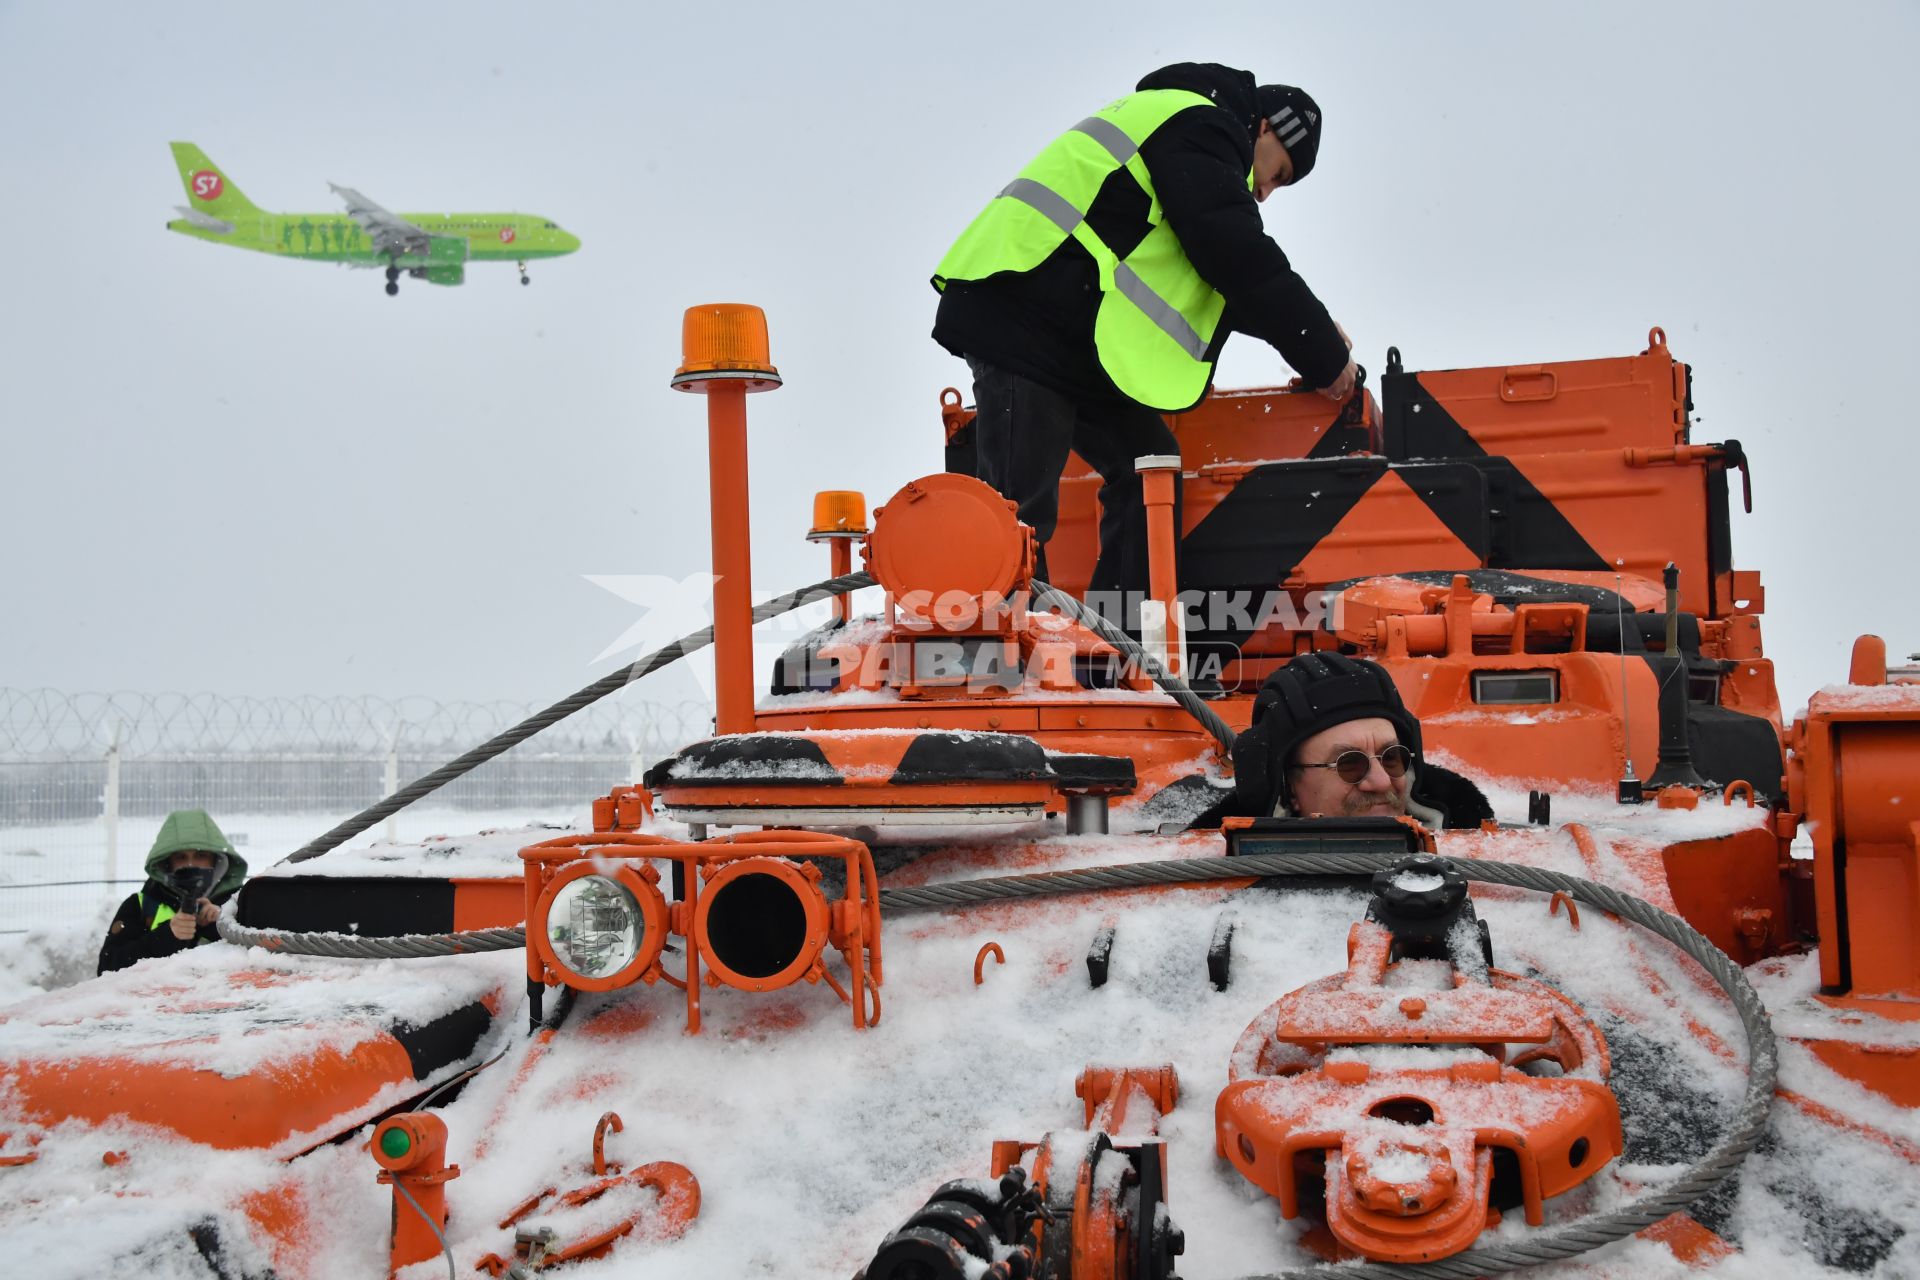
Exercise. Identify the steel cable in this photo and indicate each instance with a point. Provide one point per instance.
(348, 946)
(1052, 597)
(1750, 1119)
(613, 682)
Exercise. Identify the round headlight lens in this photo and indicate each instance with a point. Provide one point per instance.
(594, 926)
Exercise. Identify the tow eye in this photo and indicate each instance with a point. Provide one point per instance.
(1420, 1085)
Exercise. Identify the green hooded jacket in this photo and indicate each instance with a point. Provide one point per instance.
(195, 829)
(137, 931)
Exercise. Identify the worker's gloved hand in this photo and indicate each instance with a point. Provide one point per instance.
(208, 913)
(183, 925)
(1342, 387)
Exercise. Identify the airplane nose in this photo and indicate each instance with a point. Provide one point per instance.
(569, 241)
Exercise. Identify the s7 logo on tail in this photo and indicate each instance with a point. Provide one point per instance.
(207, 185)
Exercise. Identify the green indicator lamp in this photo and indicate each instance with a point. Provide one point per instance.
(396, 1142)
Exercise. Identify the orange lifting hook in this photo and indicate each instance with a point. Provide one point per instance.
(1739, 786)
(980, 961)
(600, 1165)
(1573, 912)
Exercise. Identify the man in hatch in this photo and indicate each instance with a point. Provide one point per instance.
(191, 870)
(1094, 292)
(1331, 738)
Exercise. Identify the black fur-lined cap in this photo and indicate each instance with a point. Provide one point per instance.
(1313, 692)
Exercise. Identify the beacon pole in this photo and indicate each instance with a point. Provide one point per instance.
(725, 356)
(1159, 474)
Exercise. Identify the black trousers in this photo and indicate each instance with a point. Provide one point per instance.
(1022, 436)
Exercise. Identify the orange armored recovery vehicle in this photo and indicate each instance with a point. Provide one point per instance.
(919, 969)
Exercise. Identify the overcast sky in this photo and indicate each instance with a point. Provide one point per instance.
(229, 473)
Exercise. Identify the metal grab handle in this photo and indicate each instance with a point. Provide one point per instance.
(1528, 382)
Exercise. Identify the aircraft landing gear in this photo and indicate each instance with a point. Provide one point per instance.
(524, 278)
(393, 281)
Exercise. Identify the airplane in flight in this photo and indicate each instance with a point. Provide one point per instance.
(435, 247)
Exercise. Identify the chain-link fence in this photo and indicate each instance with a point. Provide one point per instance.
(86, 779)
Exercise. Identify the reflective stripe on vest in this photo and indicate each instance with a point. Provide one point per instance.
(161, 913)
(1155, 347)
(1135, 290)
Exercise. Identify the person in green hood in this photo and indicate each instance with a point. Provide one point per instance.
(191, 869)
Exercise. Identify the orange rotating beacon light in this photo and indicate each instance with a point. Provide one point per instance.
(724, 356)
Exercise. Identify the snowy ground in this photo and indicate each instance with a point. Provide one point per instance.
(812, 1141)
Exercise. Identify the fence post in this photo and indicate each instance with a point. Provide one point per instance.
(110, 805)
(634, 741)
(393, 781)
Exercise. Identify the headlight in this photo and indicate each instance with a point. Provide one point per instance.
(595, 926)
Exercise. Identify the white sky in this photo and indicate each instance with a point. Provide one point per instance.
(229, 473)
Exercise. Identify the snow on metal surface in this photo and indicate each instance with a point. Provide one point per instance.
(1869, 697)
(231, 1012)
(486, 853)
(812, 1141)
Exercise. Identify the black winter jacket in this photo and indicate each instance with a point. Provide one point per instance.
(132, 936)
(1039, 323)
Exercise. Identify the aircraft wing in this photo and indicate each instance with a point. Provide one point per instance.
(389, 232)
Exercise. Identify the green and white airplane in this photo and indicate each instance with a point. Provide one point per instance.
(435, 247)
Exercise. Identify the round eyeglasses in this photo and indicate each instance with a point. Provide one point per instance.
(1353, 765)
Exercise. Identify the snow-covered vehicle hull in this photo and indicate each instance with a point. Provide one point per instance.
(912, 970)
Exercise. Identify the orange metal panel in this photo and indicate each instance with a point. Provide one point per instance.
(1714, 881)
(1637, 518)
(1268, 422)
(1621, 402)
(494, 903)
(1856, 757)
(259, 1110)
(1878, 766)
(1581, 739)
(1389, 525)
(1893, 1071)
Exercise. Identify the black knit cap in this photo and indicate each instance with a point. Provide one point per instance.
(1295, 120)
(1313, 692)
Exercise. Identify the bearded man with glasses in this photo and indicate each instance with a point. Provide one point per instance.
(1353, 770)
(1331, 738)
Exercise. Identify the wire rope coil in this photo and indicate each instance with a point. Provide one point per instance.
(1552, 1244)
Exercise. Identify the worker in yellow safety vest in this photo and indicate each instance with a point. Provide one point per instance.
(1093, 294)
